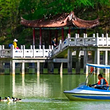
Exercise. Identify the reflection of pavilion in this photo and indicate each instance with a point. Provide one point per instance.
(31, 89)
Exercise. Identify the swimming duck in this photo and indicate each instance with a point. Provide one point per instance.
(3, 100)
(8, 99)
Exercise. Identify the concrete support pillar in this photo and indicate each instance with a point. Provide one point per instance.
(106, 60)
(69, 61)
(98, 60)
(52, 67)
(61, 69)
(77, 62)
(13, 86)
(86, 74)
(23, 67)
(38, 68)
(85, 59)
(41, 67)
(13, 67)
(108, 57)
(95, 56)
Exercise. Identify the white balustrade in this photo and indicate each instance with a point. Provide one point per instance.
(42, 52)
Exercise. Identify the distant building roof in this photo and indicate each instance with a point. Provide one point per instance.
(61, 21)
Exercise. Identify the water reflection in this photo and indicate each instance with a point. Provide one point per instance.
(36, 91)
(30, 87)
(45, 85)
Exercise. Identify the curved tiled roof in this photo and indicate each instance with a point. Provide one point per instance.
(61, 21)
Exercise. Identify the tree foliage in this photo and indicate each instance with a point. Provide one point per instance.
(48, 8)
(12, 10)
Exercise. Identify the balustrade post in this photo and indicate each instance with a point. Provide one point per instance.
(12, 51)
(39, 46)
(107, 39)
(85, 35)
(75, 39)
(23, 51)
(0, 51)
(60, 44)
(84, 40)
(43, 50)
(93, 35)
(97, 40)
(34, 51)
(30, 46)
(21, 46)
(77, 35)
(103, 35)
(50, 47)
(102, 39)
(69, 35)
(0, 47)
(3, 47)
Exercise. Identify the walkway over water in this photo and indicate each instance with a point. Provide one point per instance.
(72, 46)
(81, 42)
(73, 42)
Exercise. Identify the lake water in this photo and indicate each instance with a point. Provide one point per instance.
(45, 92)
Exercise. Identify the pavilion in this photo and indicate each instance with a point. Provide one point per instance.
(59, 21)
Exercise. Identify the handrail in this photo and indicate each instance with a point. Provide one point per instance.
(42, 52)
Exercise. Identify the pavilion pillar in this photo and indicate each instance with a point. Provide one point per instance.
(56, 36)
(85, 31)
(33, 36)
(50, 37)
(69, 31)
(62, 34)
(78, 31)
(40, 42)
